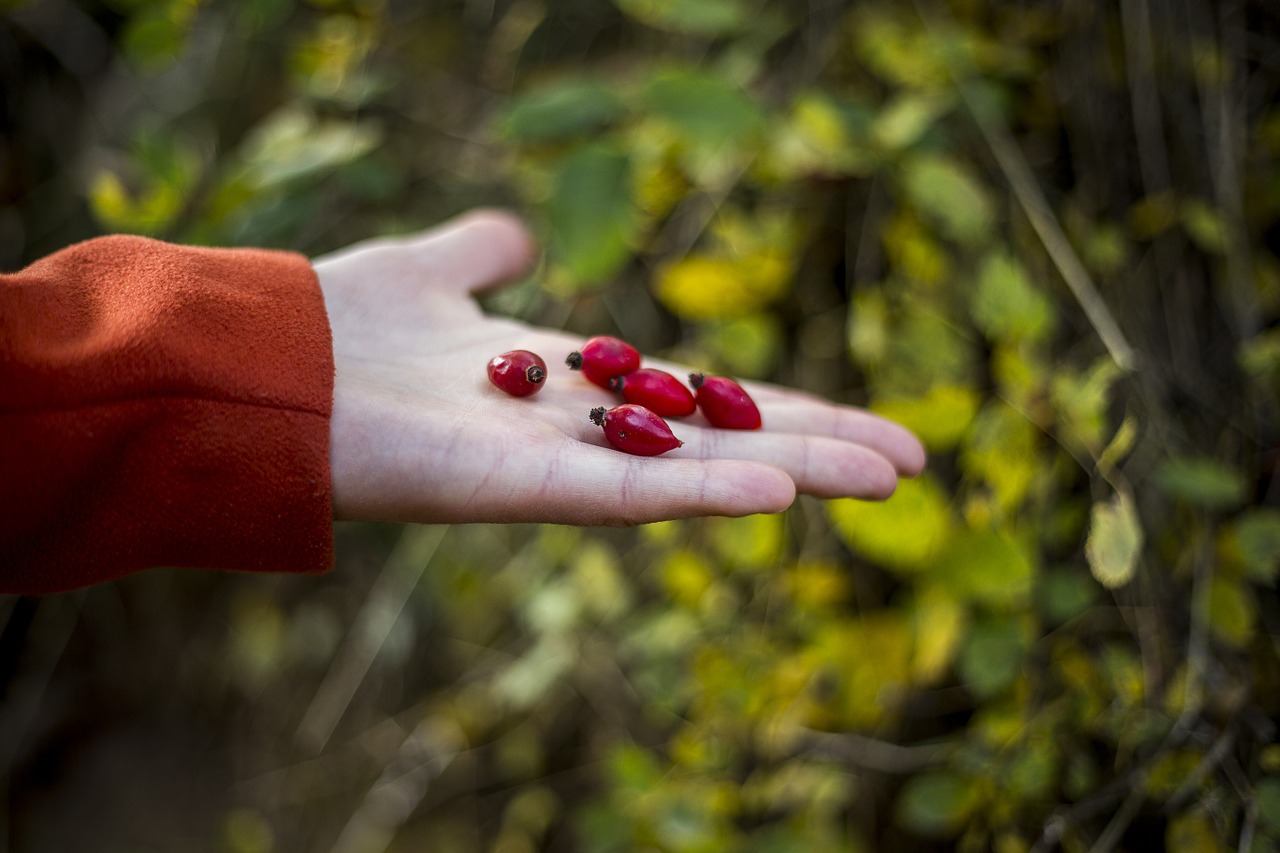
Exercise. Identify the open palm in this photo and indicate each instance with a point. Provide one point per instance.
(419, 434)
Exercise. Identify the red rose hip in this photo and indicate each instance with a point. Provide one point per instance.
(724, 403)
(635, 429)
(519, 372)
(656, 390)
(601, 358)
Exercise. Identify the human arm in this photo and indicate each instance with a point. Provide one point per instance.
(162, 405)
(420, 435)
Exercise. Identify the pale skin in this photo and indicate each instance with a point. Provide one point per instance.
(419, 434)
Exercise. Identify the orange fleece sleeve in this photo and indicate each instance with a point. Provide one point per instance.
(162, 405)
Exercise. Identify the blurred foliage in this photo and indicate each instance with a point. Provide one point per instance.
(1042, 235)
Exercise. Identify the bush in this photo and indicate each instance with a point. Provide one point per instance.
(1042, 236)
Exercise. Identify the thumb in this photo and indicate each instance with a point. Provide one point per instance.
(474, 251)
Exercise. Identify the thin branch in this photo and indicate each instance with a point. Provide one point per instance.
(1061, 821)
(1111, 836)
(427, 751)
(1036, 207)
(873, 754)
(1212, 758)
(1248, 827)
(378, 615)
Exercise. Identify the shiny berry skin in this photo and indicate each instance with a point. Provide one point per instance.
(724, 403)
(656, 390)
(601, 358)
(635, 429)
(520, 373)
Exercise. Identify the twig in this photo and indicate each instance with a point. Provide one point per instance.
(1248, 827)
(1211, 760)
(378, 615)
(1036, 207)
(1153, 161)
(873, 754)
(423, 756)
(1064, 818)
(1110, 836)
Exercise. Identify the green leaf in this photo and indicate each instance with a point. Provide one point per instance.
(1193, 832)
(948, 193)
(1233, 611)
(1082, 401)
(821, 136)
(1006, 305)
(936, 804)
(924, 348)
(747, 346)
(906, 119)
(867, 329)
(708, 18)
(292, 144)
(709, 111)
(1203, 225)
(987, 567)
(906, 532)
(992, 657)
(560, 111)
(634, 769)
(1033, 770)
(592, 217)
(156, 36)
(1065, 593)
(1202, 482)
(1267, 797)
(1260, 355)
(1256, 537)
(1115, 541)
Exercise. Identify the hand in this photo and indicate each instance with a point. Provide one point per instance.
(419, 434)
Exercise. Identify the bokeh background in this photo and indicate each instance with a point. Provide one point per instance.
(1042, 233)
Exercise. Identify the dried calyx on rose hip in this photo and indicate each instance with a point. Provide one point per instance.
(635, 429)
(519, 372)
(724, 403)
(656, 390)
(603, 357)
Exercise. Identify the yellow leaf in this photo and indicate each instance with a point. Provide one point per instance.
(109, 200)
(905, 533)
(913, 250)
(1115, 541)
(752, 542)
(1193, 833)
(816, 584)
(905, 120)
(1233, 611)
(939, 418)
(1002, 448)
(939, 622)
(703, 287)
(687, 577)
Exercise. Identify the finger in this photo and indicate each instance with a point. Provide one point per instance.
(818, 465)
(475, 251)
(577, 482)
(817, 417)
(634, 490)
(790, 411)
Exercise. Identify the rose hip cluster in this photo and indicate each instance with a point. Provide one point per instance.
(638, 424)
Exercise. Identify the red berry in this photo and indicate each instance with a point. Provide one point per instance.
(656, 390)
(519, 372)
(601, 358)
(724, 403)
(635, 429)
